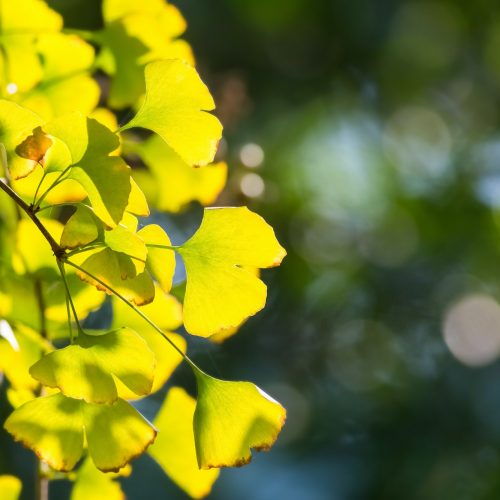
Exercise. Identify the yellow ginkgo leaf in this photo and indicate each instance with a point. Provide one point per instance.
(179, 183)
(160, 262)
(166, 312)
(175, 107)
(54, 428)
(10, 487)
(86, 370)
(107, 266)
(82, 228)
(92, 483)
(220, 292)
(16, 124)
(231, 419)
(174, 449)
(137, 202)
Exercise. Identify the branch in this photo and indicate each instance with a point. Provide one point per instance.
(28, 209)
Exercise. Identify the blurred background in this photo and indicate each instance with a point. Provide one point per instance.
(368, 134)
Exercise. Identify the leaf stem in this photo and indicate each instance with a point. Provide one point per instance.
(164, 247)
(29, 210)
(138, 311)
(68, 297)
(52, 186)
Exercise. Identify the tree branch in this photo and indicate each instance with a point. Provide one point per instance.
(28, 209)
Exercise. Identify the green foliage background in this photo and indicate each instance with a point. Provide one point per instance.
(381, 239)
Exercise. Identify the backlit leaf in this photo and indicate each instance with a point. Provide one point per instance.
(160, 262)
(92, 483)
(174, 448)
(175, 107)
(177, 182)
(166, 312)
(231, 419)
(106, 266)
(81, 229)
(16, 124)
(220, 292)
(54, 427)
(10, 487)
(84, 370)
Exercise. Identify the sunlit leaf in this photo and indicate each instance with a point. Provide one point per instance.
(174, 448)
(84, 370)
(120, 239)
(177, 182)
(231, 419)
(137, 202)
(92, 483)
(10, 487)
(160, 262)
(90, 145)
(220, 293)
(166, 312)
(175, 107)
(35, 146)
(82, 228)
(22, 22)
(16, 124)
(54, 427)
(106, 266)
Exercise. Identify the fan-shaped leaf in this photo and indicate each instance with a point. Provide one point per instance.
(175, 108)
(219, 292)
(230, 419)
(174, 449)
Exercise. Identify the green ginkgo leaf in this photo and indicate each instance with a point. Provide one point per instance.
(174, 449)
(10, 487)
(231, 419)
(175, 107)
(90, 145)
(160, 262)
(220, 292)
(126, 242)
(87, 369)
(54, 427)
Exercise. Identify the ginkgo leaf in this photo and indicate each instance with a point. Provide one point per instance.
(22, 22)
(174, 448)
(35, 146)
(106, 266)
(82, 228)
(179, 183)
(137, 202)
(231, 419)
(120, 239)
(160, 262)
(16, 124)
(84, 370)
(220, 292)
(175, 107)
(10, 487)
(166, 312)
(92, 483)
(116, 434)
(15, 362)
(90, 144)
(54, 428)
